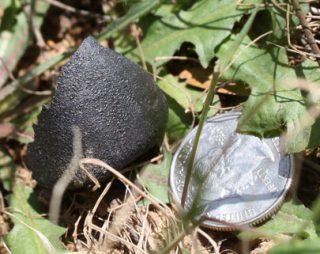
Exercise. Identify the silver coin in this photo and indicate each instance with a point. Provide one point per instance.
(243, 178)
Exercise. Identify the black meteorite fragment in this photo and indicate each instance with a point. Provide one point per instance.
(120, 111)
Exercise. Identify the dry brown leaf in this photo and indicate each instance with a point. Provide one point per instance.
(197, 77)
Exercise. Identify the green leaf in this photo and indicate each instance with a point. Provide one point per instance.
(179, 122)
(25, 125)
(182, 100)
(292, 219)
(309, 70)
(23, 117)
(206, 25)
(272, 104)
(176, 90)
(15, 36)
(124, 44)
(7, 169)
(155, 178)
(31, 232)
(310, 246)
(165, 9)
(187, 97)
(316, 214)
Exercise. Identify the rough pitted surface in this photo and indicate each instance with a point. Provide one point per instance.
(120, 111)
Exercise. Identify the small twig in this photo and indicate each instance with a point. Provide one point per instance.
(27, 8)
(306, 30)
(136, 33)
(75, 230)
(277, 5)
(302, 53)
(312, 16)
(75, 10)
(102, 195)
(92, 178)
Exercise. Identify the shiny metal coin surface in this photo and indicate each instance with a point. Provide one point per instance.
(244, 178)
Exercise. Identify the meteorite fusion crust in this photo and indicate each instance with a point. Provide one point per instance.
(118, 108)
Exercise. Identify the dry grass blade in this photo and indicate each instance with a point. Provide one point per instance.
(214, 245)
(128, 225)
(120, 218)
(106, 189)
(110, 235)
(116, 238)
(125, 180)
(195, 246)
(66, 178)
(144, 228)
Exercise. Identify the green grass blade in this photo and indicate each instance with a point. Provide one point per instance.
(208, 101)
(14, 85)
(240, 37)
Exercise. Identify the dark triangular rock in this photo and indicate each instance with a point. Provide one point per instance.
(120, 111)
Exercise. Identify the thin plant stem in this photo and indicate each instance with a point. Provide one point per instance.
(211, 93)
(205, 110)
(63, 182)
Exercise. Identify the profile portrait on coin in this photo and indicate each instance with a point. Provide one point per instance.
(237, 178)
(229, 170)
